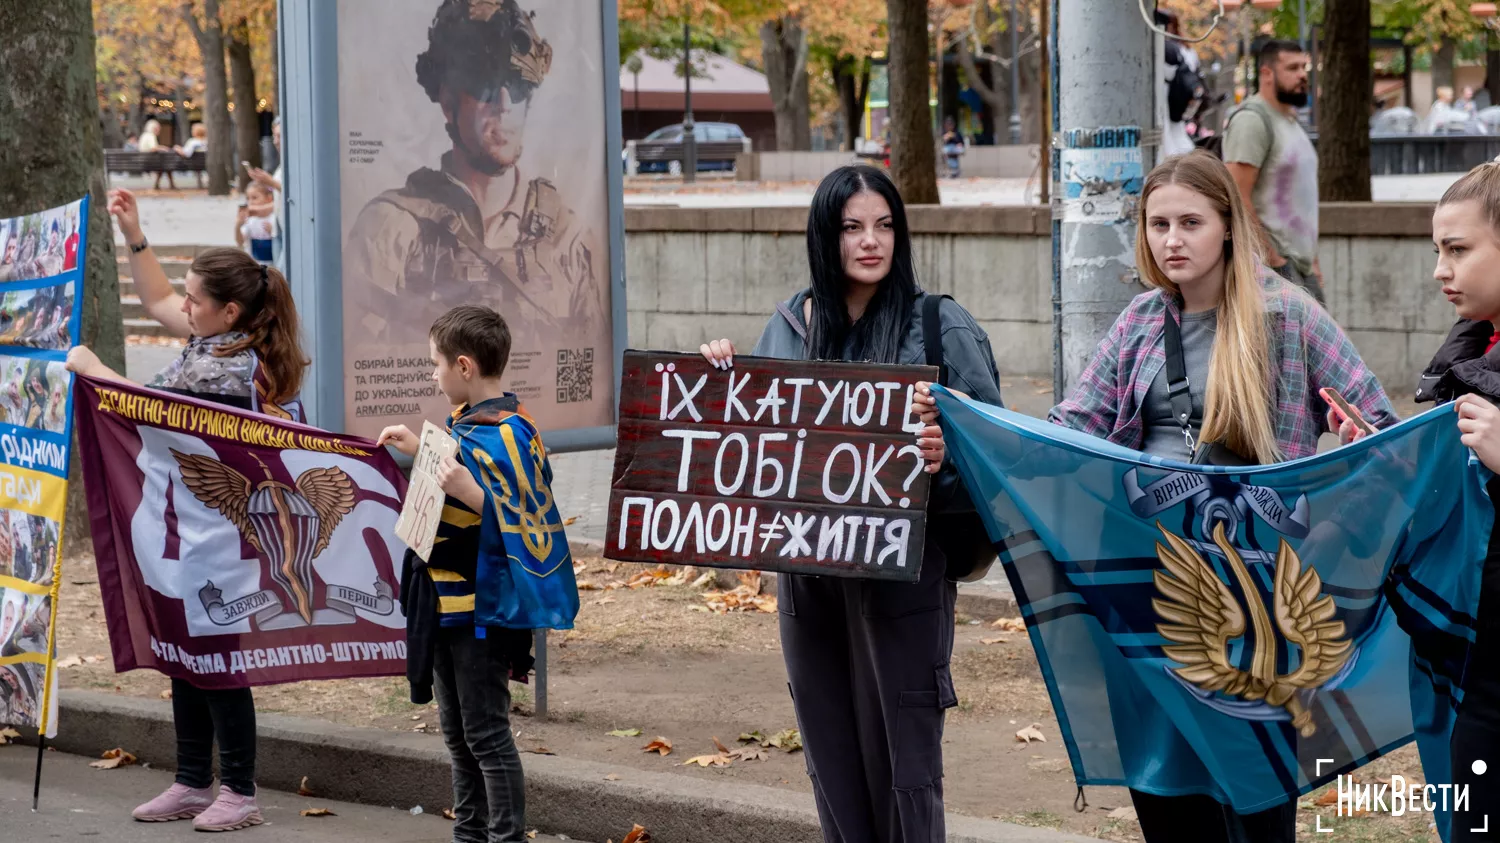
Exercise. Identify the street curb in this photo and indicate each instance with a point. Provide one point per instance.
(975, 601)
(563, 796)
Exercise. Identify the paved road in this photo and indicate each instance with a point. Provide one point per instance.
(80, 803)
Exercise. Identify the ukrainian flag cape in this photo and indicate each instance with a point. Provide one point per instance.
(1244, 633)
(524, 577)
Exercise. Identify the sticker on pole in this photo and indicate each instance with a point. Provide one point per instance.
(1102, 175)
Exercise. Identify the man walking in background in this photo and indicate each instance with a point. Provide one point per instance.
(1274, 163)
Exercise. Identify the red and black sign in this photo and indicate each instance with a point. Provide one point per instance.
(776, 465)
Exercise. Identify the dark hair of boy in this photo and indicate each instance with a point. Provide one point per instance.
(477, 333)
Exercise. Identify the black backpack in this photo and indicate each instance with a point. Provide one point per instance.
(1185, 86)
(961, 535)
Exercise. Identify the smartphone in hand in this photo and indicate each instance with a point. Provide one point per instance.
(1344, 410)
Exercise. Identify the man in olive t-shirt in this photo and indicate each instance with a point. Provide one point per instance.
(1276, 167)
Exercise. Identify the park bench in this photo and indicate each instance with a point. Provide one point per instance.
(132, 162)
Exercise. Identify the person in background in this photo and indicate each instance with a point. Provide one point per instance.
(1184, 87)
(953, 147)
(244, 350)
(1275, 166)
(255, 227)
(1466, 101)
(196, 144)
(133, 143)
(150, 142)
(274, 182)
(70, 245)
(1444, 112)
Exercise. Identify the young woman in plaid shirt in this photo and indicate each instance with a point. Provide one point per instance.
(1256, 352)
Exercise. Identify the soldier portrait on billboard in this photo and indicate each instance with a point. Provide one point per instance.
(478, 228)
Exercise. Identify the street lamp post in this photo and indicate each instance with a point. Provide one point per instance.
(689, 134)
(1015, 79)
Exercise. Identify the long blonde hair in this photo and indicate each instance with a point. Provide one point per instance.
(1237, 405)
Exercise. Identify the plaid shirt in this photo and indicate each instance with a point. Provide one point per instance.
(1311, 348)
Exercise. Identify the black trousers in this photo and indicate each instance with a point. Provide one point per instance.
(1203, 819)
(471, 679)
(1476, 734)
(868, 668)
(203, 716)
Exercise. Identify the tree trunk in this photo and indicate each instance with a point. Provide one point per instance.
(1442, 66)
(913, 151)
(1492, 68)
(783, 45)
(47, 62)
(1344, 167)
(246, 115)
(852, 78)
(209, 33)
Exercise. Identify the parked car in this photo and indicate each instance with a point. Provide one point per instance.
(704, 132)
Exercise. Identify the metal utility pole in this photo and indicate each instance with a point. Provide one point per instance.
(1104, 115)
(689, 134)
(1015, 79)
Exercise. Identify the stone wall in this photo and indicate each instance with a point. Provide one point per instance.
(695, 275)
(990, 162)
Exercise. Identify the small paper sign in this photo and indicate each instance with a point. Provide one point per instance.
(423, 508)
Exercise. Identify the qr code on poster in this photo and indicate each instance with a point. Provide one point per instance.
(575, 375)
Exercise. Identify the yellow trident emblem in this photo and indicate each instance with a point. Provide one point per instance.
(529, 504)
(1202, 616)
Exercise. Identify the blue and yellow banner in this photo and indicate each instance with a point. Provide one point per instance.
(42, 259)
(1243, 633)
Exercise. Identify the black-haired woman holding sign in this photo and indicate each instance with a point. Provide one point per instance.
(867, 660)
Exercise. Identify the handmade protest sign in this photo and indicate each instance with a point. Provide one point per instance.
(423, 507)
(41, 303)
(776, 465)
(236, 549)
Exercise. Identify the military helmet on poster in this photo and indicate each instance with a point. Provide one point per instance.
(482, 46)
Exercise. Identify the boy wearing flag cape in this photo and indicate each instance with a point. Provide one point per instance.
(500, 568)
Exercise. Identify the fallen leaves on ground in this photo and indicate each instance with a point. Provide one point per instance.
(625, 733)
(719, 745)
(753, 737)
(70, 661)
(603, 601)
(1009, 625)
(607, 568)
(585, 585)
(997, 640)
(7, 735)
(113, 758)
(716, 760)
(303, 789)
(612, 777)
(317, 812)
(745, 597)
(787, 739)
(661, 746)
(166, 695)
(1126, 813)
(570, 521)
(750, 753)
(1031, 733)
(539, 750)
(655, 576)
(639, 834)
(449, 815)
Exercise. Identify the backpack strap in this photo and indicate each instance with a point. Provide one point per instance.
(932, 334)
(1178, 391)
(791, 318)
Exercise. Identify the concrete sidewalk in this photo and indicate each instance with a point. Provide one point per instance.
(581, 800)
(78, 802)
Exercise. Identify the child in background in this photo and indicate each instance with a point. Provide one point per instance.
(255, 227)
(499, 568)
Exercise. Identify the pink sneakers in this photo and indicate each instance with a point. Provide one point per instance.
(229, 812)
(178, 802)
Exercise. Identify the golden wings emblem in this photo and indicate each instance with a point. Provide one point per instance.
(291, 527)
(1202, 617)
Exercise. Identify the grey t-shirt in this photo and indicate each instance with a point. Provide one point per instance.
(1163, 433)
(1286, 193)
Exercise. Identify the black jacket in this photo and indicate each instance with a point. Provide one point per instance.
(1461, 365)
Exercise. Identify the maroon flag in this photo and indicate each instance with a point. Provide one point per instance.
(236, 549)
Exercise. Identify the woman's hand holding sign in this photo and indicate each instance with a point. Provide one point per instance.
(930, 437)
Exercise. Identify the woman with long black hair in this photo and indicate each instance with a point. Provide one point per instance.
(868, 661)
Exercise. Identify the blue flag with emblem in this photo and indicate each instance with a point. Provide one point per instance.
(1213, 630)
(524, 577)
